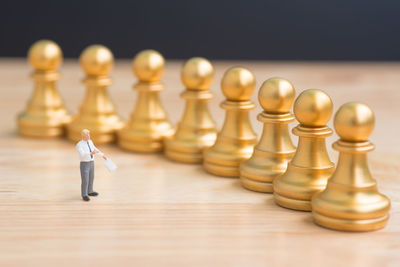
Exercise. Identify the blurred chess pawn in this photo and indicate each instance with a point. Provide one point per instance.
(310, 168)
(45, 115)
(196, 129)
(235, 142)
(351, 201)
(97, 112)
(275, 148)
(148, 124)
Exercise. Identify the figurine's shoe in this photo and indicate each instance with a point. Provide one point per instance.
(93, 194)
(86, 198)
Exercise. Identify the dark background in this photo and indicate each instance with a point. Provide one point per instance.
(236, 29)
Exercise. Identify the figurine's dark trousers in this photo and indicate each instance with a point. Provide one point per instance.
(87, 176)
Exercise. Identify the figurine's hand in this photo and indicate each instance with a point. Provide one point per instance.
(94, 152)
(104, 157)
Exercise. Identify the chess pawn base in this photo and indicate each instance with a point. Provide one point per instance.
(145, 140)
(254, 185)
(185, 157)
(188, 151)
(308, 171)
(102, 130)
(99, 135)
(263, 167)
(45, 115)
(147, 146)
(351, 201)
(259, 177)
(42, 126)
(227, 164)
(235, 143)
(351, 225)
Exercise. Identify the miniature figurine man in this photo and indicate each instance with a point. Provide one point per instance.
(87, 150)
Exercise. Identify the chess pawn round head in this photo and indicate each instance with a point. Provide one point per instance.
(148, 66)
(45, 55)
(96, 60)
(276, 96)
(197, 74)
(354, 122)
(313, 108)
(238, 84)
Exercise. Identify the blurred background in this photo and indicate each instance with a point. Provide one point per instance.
(357, 30)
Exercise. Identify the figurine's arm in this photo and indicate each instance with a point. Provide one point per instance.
(100, 154)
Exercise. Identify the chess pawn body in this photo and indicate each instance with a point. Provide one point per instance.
(45, 115)
(196, 129)
(351, 201)
(235, 142)
(310, 168)
(148, 124)
(97, 112)
(275, 148)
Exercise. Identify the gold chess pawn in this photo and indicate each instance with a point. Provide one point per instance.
(310, 168)
(196, 129)
(45, 115)
(148, 124)
(275, 148)
(97, 112)
(351, 201)
(235, 142)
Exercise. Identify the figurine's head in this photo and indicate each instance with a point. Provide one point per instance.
(85, 135)
(354, 122)
(96, 60)
(148, 66)
(276, 95)
(45, 55)
(238, 84)
(313, 108)
(197, 74)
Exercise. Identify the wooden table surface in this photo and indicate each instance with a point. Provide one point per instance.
(154, 212)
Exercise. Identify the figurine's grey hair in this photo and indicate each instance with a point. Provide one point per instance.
(84, 132)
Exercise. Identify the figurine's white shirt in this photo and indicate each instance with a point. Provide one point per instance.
(84, 152)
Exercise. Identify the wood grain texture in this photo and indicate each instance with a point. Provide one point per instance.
(154, 212)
